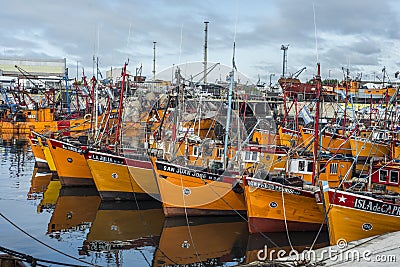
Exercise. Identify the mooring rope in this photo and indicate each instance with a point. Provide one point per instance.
(44, 244)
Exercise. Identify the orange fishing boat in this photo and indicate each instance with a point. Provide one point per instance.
(395, 150)
(270, 158)
(46, 151)
(357, 215)
(281, 203)
(274, 207)
(331, 142)
(141, 171)
(262, 137)
(113, 179)
(70, 163)
(364, 148)
(194, 192)
(44, 120)
(333, 169)
(40, 159)
(289, 138)
(361, 92)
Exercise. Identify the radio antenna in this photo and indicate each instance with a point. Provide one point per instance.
(315, 33)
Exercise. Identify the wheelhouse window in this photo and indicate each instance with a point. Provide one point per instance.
(251, 156)
(322, 168)
(301, 165)
(197, 151)
(220, 152)
(333, 168)
(310, 166)
(383, 174)
(394, 177)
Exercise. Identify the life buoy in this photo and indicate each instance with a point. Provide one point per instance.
(87, 116)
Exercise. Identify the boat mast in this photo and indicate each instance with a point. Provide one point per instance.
(205, 52)
(316, 140)
(228, 115)
(121, 102)
(67, 90)
(345, 100)
(154, 61)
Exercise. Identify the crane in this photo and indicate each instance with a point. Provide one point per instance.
(297, 73)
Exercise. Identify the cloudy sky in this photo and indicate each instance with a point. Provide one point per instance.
(362, 35)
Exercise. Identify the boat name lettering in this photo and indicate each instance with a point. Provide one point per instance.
(107, 159)
(71, 148)
(188, 172)
(274, 187)
(374, 206)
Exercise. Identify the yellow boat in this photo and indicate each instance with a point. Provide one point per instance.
(266, 138)
(364, 148)
(395, 150)
(47, 154)
(43, 120)
(113, 179)
(333, 143)
(269, 158)
(193, 192)
(76, 208)
(40, 159)
(141, 171)
(356, 89)
(354, 215)
(289, 138)
(204, 242)
(70, 163)
(273, 207)
(333, 170)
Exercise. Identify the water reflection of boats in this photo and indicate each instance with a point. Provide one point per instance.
(75, 209)
(207, 241)
(17, 140)
(39, 183)
(9, 260)
(50, 196)
(122, 225)
(260, 243)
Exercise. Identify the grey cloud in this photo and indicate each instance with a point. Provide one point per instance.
(261, 27)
